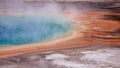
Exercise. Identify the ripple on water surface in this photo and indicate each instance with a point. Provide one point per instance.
(24, 29)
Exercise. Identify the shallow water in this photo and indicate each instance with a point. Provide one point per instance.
(24, 29)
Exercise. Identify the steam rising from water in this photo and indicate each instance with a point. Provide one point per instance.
(31, 28)
(32, 24)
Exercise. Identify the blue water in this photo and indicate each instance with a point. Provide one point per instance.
(25, 29)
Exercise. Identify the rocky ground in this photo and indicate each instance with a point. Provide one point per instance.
(95, 56)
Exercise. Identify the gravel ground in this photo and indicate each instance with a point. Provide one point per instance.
(96, 56)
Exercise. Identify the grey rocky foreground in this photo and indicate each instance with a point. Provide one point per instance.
(97, 56)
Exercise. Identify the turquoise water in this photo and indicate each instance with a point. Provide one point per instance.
(24, 29)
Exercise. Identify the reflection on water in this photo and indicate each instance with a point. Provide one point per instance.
(29, 29)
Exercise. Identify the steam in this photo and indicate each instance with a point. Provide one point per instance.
(30, 26)
(33, 22)
(50, 8)
(30, 7)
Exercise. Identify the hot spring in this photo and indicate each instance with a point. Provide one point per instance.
(26, 29)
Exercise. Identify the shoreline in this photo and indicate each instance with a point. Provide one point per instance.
(29, 48)
(76, 38)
